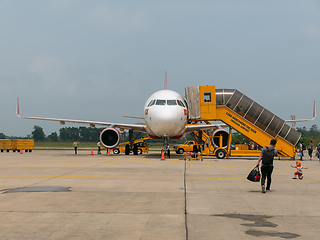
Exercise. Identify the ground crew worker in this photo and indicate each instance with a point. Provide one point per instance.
(299, 170)
(75, 145)
(310, 149)
(98, 144)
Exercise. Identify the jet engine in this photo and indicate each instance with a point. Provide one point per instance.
(216, 137)
(110, 137)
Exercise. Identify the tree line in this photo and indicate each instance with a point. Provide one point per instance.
(84, 134)
(87, 134)
(67, 134)
(312, 134)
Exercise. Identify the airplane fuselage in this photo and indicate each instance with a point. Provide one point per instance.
(165, 115)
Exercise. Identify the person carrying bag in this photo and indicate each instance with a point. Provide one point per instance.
(266, 156)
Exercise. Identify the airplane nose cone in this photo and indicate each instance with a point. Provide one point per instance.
(168, 123)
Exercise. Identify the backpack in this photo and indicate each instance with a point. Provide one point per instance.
(267, 157)
(303, 147)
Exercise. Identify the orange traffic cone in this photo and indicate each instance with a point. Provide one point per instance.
(108, 152)
(162, 155)
(91, 152)
(20, 150)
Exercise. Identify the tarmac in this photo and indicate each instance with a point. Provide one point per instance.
(59, 195)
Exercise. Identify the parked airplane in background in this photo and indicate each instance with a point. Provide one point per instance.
(165, 116)
(304, 120)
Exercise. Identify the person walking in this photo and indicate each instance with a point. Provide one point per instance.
(266, 156)
(318, 152)
(75, 145)
(300, 150)
(310, 149)
(98, 144)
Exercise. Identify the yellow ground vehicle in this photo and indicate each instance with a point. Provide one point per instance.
(27, 145)
(143, 147)
(5, 145)
(186, 147)
(140, 144)
(16, 145)
(193, 156)
(213, 145)
(241, 147)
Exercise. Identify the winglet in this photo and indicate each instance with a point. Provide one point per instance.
(165, 80)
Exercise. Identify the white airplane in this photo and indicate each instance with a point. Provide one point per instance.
(165, 116)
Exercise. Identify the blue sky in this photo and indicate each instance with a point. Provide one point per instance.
(100, 60)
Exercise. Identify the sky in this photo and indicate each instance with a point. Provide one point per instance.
(100, 60)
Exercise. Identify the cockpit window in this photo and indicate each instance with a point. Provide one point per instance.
(161, 102)
(151, 103)
(172, 102)
(180, 103)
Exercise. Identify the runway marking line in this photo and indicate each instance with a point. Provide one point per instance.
(134, 177)
(144, 160)
(219, 165)
(72, 164)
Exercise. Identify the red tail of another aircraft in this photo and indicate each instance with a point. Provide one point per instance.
(165, 80)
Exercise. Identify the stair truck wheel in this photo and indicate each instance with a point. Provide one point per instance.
(116, 151)
(220, 154)
(139, 151)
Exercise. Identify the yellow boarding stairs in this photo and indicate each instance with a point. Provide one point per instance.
(205, 103)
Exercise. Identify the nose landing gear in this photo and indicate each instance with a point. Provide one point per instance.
(166, 147)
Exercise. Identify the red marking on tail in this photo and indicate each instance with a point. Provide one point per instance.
(165, 80)
(314, 109)
(18, 111)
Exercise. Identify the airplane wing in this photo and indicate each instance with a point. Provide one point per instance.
(305, 120)
(136, 127)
